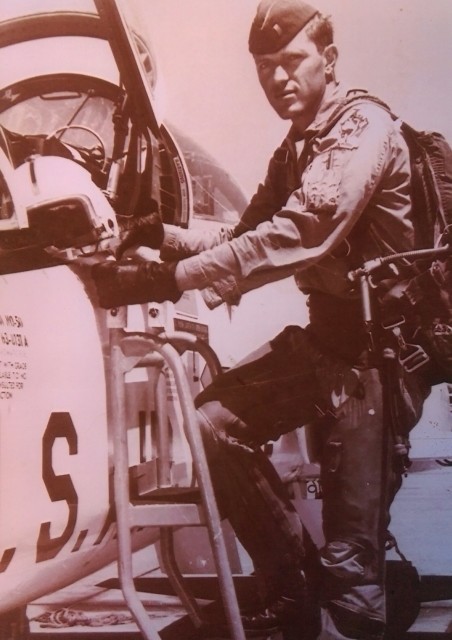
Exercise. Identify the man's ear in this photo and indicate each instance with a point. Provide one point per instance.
(330, 54)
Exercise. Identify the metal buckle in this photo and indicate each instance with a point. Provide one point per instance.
(415, 359)
(411, 356)
(394, 323)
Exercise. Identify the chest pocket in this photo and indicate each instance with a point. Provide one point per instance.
(327, 157)
(321, 182)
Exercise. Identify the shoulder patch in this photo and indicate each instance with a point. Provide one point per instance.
(353, 125)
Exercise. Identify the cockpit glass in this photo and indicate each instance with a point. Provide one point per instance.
(76, 118)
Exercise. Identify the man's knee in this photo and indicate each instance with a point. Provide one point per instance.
(348, 563)
(222, 425)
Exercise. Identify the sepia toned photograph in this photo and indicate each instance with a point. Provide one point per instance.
(225, 320)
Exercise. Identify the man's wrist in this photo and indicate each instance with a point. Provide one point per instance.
(189, 274)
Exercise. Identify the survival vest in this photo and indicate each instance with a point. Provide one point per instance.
(419, 298)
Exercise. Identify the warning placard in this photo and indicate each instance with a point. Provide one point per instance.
(13, 355)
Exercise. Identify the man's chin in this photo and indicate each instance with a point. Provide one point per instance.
(287, 112)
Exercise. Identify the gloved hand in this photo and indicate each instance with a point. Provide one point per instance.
(145, 231)
(135, 282)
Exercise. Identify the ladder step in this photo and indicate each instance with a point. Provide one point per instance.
(170, 494)
(142, 514)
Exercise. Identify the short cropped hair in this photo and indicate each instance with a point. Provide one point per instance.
(320, 30)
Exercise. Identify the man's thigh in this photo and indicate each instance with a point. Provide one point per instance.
(272, 394)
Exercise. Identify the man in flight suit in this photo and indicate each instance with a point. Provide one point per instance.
(323, 209)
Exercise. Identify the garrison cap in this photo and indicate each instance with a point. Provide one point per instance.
(276, 23)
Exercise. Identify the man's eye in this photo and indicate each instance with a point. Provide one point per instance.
(294, 59)
(263, 66)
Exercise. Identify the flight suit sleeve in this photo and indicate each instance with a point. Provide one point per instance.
(270, 196)
(346, 168)
(182, 243)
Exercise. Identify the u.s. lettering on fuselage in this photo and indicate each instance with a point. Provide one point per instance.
(59, 488)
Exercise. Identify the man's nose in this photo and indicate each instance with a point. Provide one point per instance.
(280, 74)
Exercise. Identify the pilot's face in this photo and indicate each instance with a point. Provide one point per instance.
(294, 79)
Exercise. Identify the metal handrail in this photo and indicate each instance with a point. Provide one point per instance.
(127, 351)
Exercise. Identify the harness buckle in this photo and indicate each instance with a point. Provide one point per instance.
(414, 359)
(411, 356)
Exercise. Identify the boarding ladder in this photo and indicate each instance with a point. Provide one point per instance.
(128, 350)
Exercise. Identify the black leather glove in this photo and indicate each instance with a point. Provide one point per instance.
(144, 231)
(135, 282)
